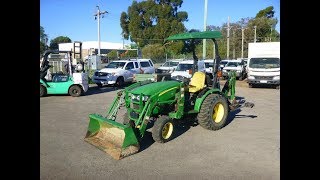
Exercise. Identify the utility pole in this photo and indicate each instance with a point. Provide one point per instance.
(242, 39)
(228, 37)
(98, 14)
(234, 44)
(214, 51)
(255, 34)
(205, 28)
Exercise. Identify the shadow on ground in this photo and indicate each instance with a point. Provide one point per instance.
(234, 115)
(98, 90)
(180, 127)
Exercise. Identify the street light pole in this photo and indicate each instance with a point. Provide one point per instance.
(98, 14)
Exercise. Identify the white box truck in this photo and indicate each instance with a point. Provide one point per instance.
(264, 64)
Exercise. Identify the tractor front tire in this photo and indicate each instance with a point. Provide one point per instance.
(75, 91)
(43, 91)
(162, 129)
(213, 112)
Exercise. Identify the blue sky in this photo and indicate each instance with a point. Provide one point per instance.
(75, 18)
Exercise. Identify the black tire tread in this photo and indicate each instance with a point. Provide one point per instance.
(205, 114)
(157, 129)
(77, 87)
(43, 91)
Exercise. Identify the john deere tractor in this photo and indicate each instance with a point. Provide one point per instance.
(164, 104)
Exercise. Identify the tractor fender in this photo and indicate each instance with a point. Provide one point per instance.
(199, 100)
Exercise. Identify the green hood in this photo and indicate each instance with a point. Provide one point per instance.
(155, 88)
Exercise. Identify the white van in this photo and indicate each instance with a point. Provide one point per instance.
(184, 69)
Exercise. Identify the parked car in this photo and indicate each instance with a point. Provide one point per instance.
(237, 66)
(169, 66)
(209, 66)
(122, 71)
(223, 63)
(184, 69)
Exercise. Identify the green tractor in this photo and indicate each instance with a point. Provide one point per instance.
(164, 104)
(70, 79)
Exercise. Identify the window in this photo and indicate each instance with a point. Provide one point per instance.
(232, 64)
(170, 64)
(136, 64)
(115, 65)
(264, 63)
(208, 65)
(151, 62)
(184, 67)
(130, 65)
(145, 64)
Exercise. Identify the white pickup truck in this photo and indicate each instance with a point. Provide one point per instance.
(122, 71)
(237, 66)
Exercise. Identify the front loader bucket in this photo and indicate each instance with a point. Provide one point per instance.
(115, 139)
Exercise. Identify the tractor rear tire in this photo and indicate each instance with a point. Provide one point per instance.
(213, 112)
(75, 91)
(43, 91)
(162, 129)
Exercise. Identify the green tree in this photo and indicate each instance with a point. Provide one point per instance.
(151, 21)
(60, 39)
(43, 40)
(43, 35)
(112, 55)
(267, 12)
(156, 52)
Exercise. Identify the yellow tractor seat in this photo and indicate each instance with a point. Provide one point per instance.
(197, 82)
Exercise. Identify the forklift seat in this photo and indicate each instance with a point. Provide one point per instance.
(197, 82)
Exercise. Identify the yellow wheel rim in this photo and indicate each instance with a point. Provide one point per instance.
(218, 112)
(167, 130)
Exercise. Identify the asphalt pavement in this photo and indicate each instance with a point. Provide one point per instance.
(247, 148)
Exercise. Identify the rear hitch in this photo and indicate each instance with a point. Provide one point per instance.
(240, 104)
